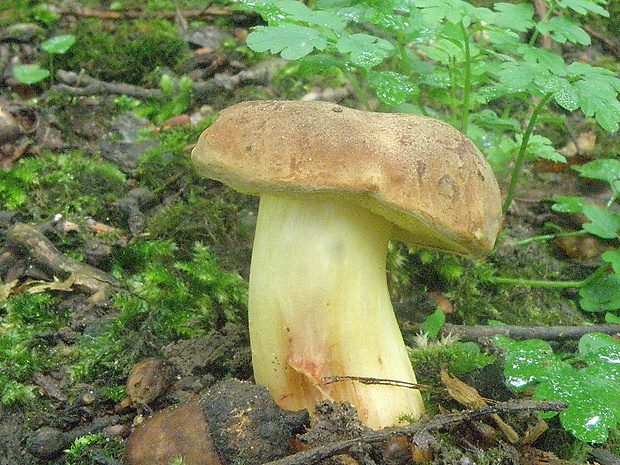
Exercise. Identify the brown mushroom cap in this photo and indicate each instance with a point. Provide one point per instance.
(420, 173)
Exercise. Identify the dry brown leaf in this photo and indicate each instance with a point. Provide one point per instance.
(66, 285)
(5, 289)
(470, 397)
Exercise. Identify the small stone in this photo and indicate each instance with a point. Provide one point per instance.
(148, 380)
(179, 431)
(47, 442)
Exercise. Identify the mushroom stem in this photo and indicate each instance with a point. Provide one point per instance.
(319, 307)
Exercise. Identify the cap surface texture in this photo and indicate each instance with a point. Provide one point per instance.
(420, 173)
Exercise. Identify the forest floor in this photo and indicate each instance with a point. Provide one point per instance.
(123, 273)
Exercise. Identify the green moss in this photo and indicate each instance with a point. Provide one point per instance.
(172, 298)
(128, 53)
(71, 184)
(21, 352)
(92, 448)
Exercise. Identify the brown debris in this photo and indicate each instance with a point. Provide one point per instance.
(547, 333)
(469, 397)
(28, 241)
(148, 380)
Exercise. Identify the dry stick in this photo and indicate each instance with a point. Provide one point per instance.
(415, 431)
(135, 14)
(547, 333)
(73, 82)
(31, 242)
(83, 85)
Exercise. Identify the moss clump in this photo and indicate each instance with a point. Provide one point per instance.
(71, 184)
(21, 353)
(128, 53)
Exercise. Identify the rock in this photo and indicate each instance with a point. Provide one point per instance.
(21, 32)
(246, 425)
(47, 442)
(236, 422)
(9, 129)
(179, 431)
(148, 380)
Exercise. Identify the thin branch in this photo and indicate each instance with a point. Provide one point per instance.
(415, 431)
(546, 333)
(204, 13)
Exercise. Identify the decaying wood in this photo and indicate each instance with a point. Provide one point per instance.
(80, 84)
(418, 431)
(83, 85)
(547, 333)
(28, 241)
(604, 456)
(205, 13)
(469, 397)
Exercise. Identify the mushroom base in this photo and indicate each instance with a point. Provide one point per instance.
(319, 307)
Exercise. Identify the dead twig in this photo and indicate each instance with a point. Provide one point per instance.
(418, 431)
(205, 13)
(546, 333)
(28, 241)
(79, 84)
(83, 85)
(610, 43)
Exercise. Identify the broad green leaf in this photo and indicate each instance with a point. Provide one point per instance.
(593, 342)
(392, 88)
(563, 91)
(289, 40)
(585, 6)
(590, 392)
(321, 63)
(564, 28)
(365, 50)
(602, 295)
(605, 169)
(613, 257)
(598, 93)
(444, 51)
(599, 100)
(383, 18)
(453, 11)
(604, 223)
(524, 361)
(296, 11)
(516, 17)
(269, 10)
(567, 204)
(433, 324)
(541, 147)
(548, 58)
(59, 44)
(30, 74)
(520, 76)
(489, 119)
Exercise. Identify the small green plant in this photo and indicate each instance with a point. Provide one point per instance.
(603, 293)
(81, 451)
(34, 73)
(430, 350)
(600, 292)
(588, 381)
(177, 94)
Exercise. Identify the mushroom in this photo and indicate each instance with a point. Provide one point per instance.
(336, 185)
